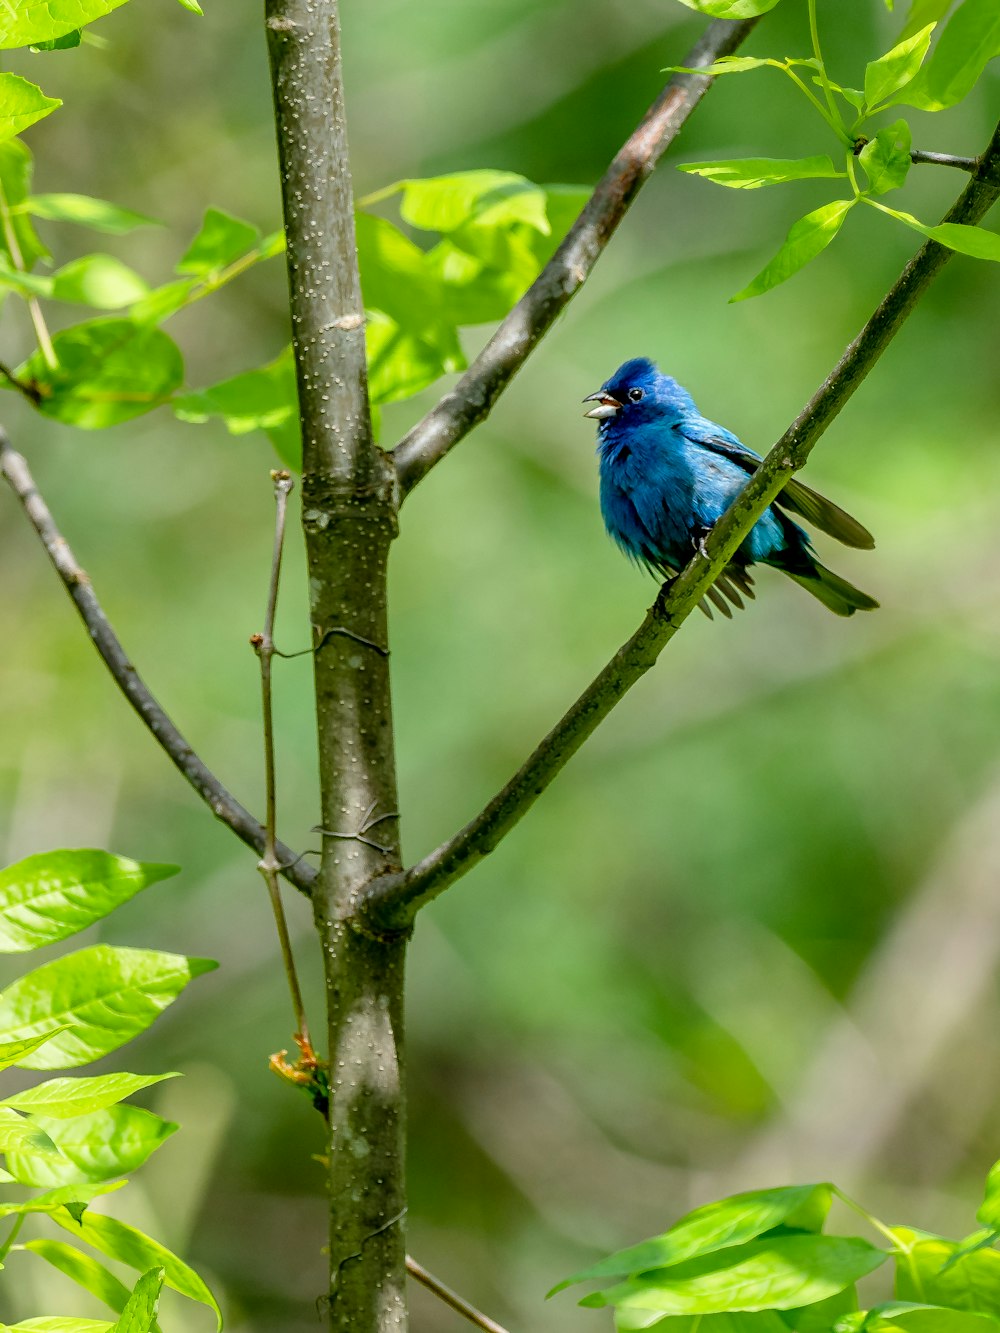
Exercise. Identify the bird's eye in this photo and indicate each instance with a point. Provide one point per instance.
(635, 395)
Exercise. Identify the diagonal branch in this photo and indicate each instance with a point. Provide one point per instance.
(14, 468)
(473, 396)
(395, 899)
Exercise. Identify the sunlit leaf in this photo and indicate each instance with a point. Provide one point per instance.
(726, 65)
(82, 1269)
(51, 895)
(67, 1198)
(117, 1240)
(774, 1273)
(112, 1142)
(97, 214)
(807, 238)
(220, 241)
(58, 1324)
(923, 12)
(974, 241)
(989, 1210)
(98, 280)
(64, 1098)
(886, 158)
(924, 1273)
(15, 176)
(255, 400)
(752, 172)
(400, 362)
(106, 995)
(21, 104)
(909, 1317)
(714, 1226)
(968, 43)
(139, 1314)
(67, 42)
(894, 70)
(162, 302)
(13, 1052)
(109, 370)
(759, 1321)
(194, 7)
(18, 1133)
(731, 9)
(25, 284)
(30, 22)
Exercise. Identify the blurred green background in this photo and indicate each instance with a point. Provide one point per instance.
(752, 934)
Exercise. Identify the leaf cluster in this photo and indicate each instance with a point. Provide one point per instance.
(75, 1138)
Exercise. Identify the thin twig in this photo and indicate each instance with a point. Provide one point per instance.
(269, 864)
(451, 1298)
(30, 391)
(475, 393)
(918, 156)
(392, 900)
(221, 802)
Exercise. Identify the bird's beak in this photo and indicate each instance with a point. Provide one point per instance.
(606, 407)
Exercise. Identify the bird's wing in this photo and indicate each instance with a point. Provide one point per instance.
(796, 496)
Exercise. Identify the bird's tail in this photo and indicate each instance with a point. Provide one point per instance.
(841, 597)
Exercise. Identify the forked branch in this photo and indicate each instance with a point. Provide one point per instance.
(222, 803)
(393, 900)
(473, 396)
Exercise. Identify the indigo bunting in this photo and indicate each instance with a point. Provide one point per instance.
(667, 475)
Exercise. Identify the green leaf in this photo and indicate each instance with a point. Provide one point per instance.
(923, 12)
(725, 65)
(162, 302)
(752, 172)
(21, 104)
(886, 158)
(193, 7)
(106, 996)
(714, 1226)
(400, 363)
(807, 238)
(82, 1269)
(774, 1273)
(15, 176)
(25, 284)
(117, 1240)
(139, 1314)
(988, 1212)
(52, 895)
(255, 400)
(762, 1321)
(57, 1324)
(221, 239)
(112, 1142)
(63, 1098)
(100, 281)
(968, 43)
(396, 279)
(30, 22)
(109, 370)
(67, 42)
(97, 214)
(820, 1316)
(65, 1198)
(974, 241)
(12, 1052)
(489, 198)
(894, 70)
(16, 1133)
(908, 1317)
(731, 9)
(924, 1274)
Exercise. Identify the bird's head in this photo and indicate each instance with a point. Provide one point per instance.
(637, 392)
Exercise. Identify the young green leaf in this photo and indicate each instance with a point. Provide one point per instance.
(738, 1321)
(97, 214)
(731, 9)
(13, 1052)
(924, 1273)
(139, 1314)
(15, 177)
(255, 400)
(64, 1098)
(17, 1133)
(988, 1212)
(774, 1273)
(105, 995)
(51, 895)
(82, 1269)
(100, 281)
(446, 203)
(969, 42)
(57, 1324)
(108, 371)
(194, 7)
(117, 1240)
(923, 12)
(400, 362)
(714, 1226)
(894, 70)
(908, 1317)
(25, 284)
(397, 280)
(67, 42)
(967, 240)
(807, 238)
(21, 104)
(886, 158)
(33, 21)
(220, 241)
(68, 1198)
(752, 172)
(112, 1142)
(162, 302)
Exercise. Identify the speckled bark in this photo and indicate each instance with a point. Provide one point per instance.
(349, 517)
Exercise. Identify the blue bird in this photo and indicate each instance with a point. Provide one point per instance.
(668, 474)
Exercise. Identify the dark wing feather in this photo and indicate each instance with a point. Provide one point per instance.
(800, 499)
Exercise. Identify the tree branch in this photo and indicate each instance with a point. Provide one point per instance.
(222, 803)
(968, 164)
(473, 396)
(394, 899)
(458, 1303)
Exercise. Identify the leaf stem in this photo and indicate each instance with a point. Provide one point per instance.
(34, 309)
(834, 121)
(12, 1236)
(831, 101)
(872, 1221)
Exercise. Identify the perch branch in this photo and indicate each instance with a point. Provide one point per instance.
(452, 1298)
(394, 899)
(222, 803)
(472, 398)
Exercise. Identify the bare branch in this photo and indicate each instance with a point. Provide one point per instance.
(482, 384)
(394, 899)
(222, 803)
(452, 1298)
(968, 164)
